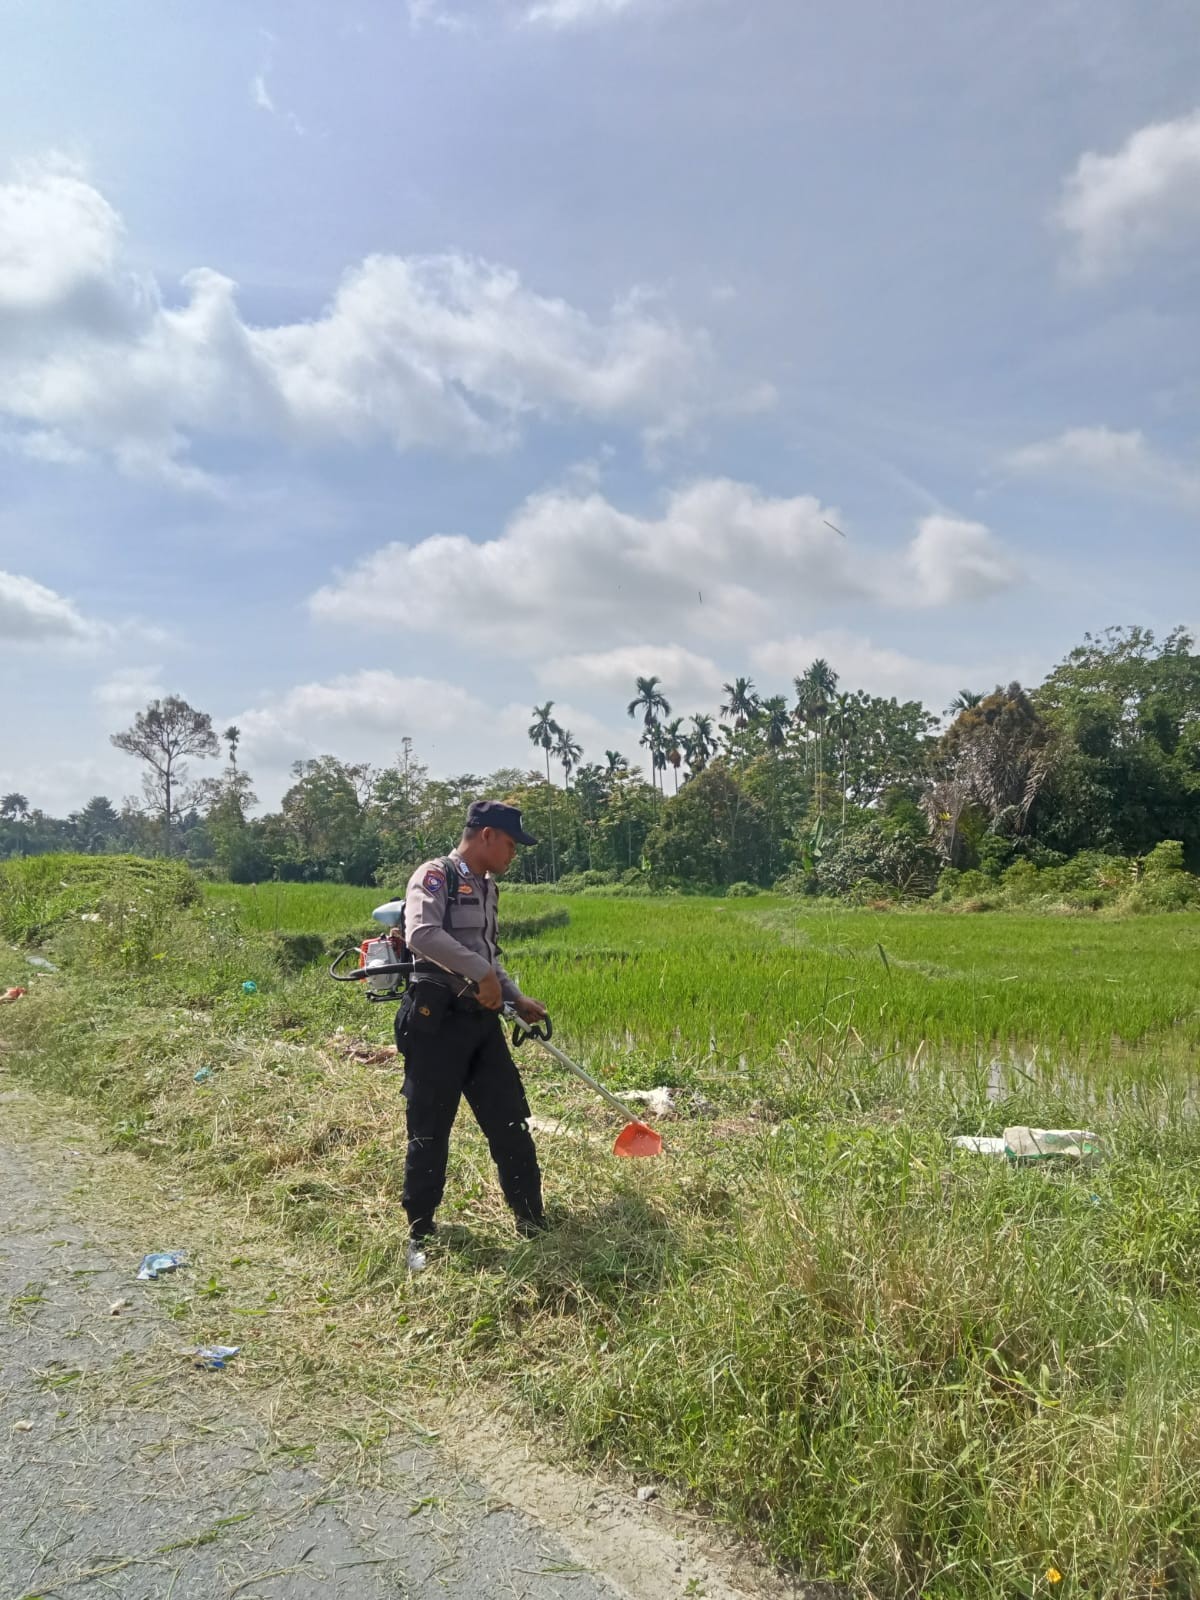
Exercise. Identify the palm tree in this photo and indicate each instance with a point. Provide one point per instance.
(652, 737)
(568, 750)
(615, 764)
(814, 689)
(14, 805)
(776, 722)
(703, 742)
(672, 746)
(652, 703)
(544, 730)
(658, 754)
(741, 702)
(232, 737)
(964, 700)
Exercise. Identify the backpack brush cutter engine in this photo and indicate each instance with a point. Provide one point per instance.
(385, 964)
(385, 969)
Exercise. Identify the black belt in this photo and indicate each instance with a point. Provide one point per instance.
(464, 1002)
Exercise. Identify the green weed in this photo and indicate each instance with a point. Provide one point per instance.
(902, 1367)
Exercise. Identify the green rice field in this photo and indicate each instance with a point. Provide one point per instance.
(694, 979)
(901, 1368)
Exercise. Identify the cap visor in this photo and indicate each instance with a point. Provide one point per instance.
(524, 838)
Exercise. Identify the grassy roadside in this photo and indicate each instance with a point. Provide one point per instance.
(909, 1369)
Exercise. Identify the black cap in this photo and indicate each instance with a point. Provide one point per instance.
(495, 814)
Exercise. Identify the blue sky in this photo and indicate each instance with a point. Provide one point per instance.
(378, 370)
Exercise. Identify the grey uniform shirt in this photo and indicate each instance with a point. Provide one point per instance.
(466, 944)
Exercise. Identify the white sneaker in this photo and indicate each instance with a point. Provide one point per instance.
(415, 1256)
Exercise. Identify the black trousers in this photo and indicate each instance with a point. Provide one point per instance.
(467, 1054)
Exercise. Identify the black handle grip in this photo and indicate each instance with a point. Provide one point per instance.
(359, 973)
(543, 1030)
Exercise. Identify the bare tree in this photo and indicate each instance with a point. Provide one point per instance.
(162, 736)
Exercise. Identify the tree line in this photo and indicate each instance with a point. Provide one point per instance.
(825, 788)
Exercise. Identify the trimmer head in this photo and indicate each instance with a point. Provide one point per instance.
(638, 1140)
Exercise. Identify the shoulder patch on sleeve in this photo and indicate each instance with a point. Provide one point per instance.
(434, 881)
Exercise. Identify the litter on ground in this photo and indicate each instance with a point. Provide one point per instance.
(1024, 1144)
(160, 1261)
(659, 1102)
(981, 1144)
(212, 1356)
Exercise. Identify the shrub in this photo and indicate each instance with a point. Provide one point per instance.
(39, 894)
(295, 951)
(862, 860)
(742, 891)
(1165, 859)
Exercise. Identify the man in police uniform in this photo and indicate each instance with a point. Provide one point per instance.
(450, 1034)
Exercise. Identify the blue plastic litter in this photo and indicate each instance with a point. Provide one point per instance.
(40, 961)
(214, 1356)
(249, 987)
(204, 1074)
(160, 1261)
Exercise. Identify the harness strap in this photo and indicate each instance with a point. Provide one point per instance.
(426, 969)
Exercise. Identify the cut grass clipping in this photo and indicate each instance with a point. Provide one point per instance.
(898, 1365)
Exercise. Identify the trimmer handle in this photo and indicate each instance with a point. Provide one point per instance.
(543, 1030)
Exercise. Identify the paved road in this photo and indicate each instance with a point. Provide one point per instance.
(182, 1498)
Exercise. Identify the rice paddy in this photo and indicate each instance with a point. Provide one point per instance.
(898, 1366)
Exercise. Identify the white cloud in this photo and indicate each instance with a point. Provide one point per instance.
(59, 243)
(1110, 459)
(444, 352)
(954, 561)
(1115, 206)
(128, 690)
(470, 15)
(375, 707)
(688, 677)
(32, 614)
(44, 444)
(879, 669)
(260, 94)
(60, 787)
(572, 573)
(571, 13)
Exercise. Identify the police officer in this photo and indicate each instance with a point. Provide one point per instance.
(450, 1033)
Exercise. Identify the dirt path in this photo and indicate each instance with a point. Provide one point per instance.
(126, 1471)
(190, 1500)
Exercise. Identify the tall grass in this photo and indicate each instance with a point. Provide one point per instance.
(913, 1370)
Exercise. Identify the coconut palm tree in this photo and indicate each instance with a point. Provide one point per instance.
(615, 764)
(741, 702)
(14, 805)
(568, 750)
(232, 737)
(543, 731)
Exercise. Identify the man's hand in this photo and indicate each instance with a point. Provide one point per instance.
(488, 992)
(529, 1010)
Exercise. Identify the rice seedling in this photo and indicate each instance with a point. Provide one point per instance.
(898, 1365)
